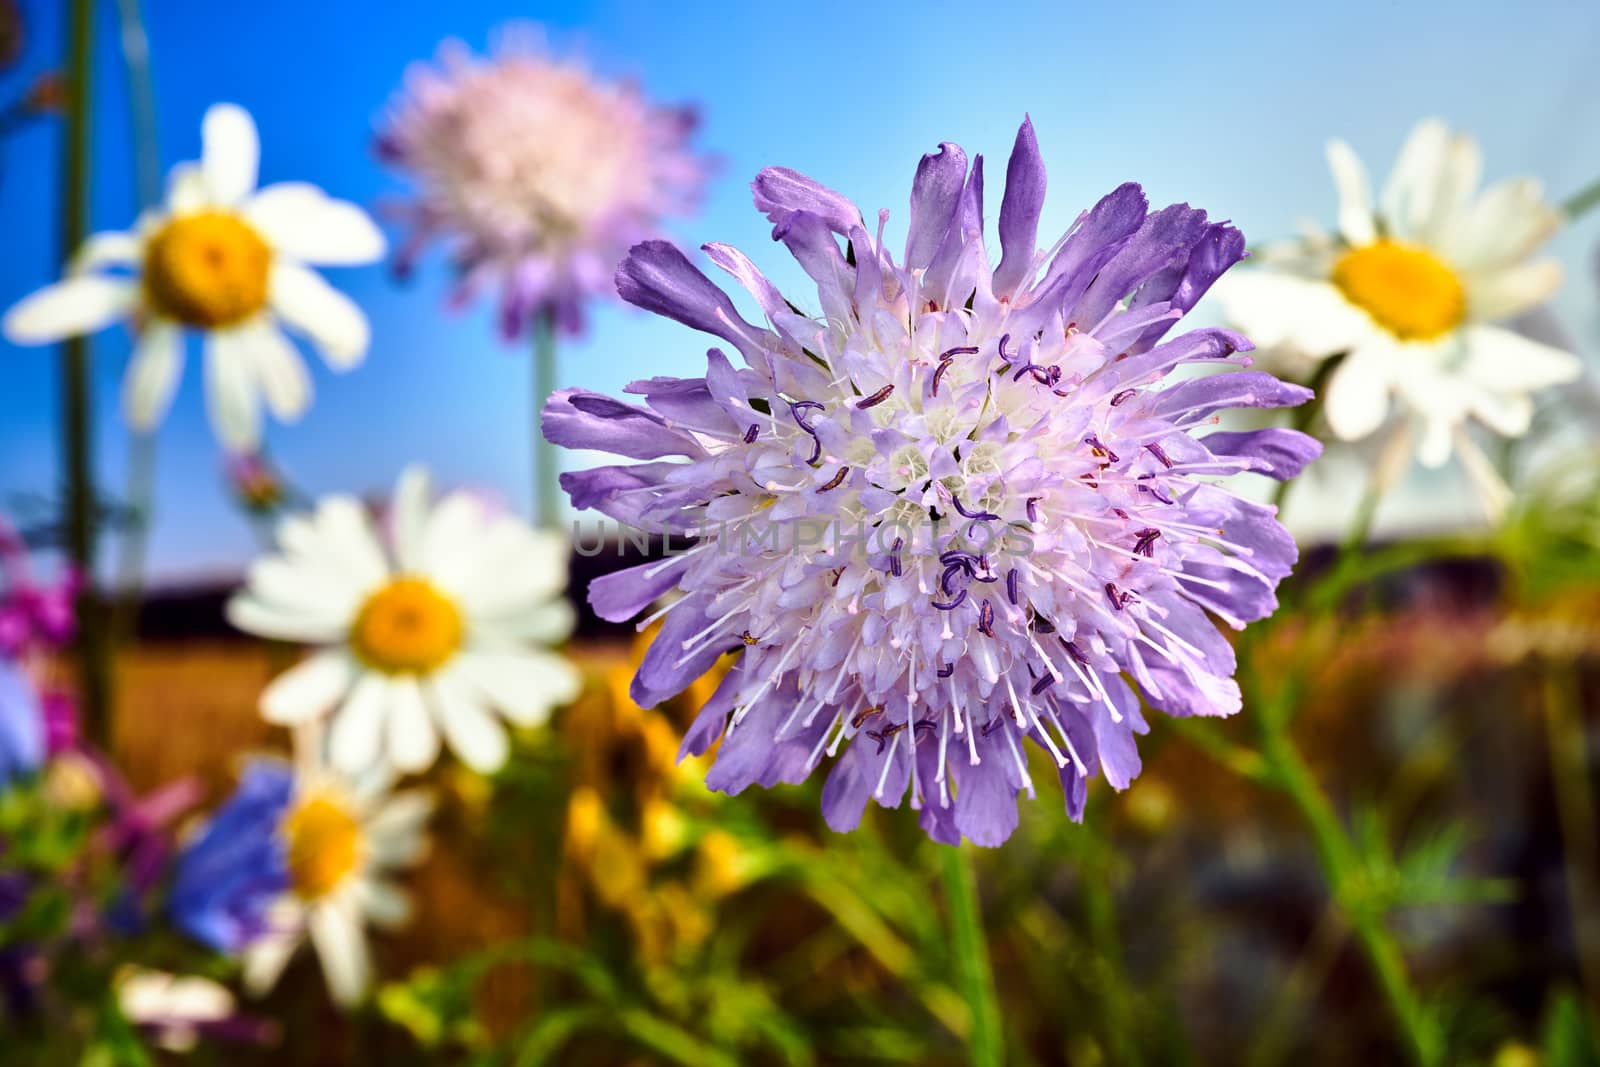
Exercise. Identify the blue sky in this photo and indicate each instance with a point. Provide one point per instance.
(1228, 111)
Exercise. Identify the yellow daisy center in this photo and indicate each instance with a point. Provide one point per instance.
(324, 841)
(1408, 290)
(407, 627)
(207, 270)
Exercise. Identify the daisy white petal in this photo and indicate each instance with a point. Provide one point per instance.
(306, 224)
(548, 623)
(231, 396)
(279, 371)
(383, 903)
(1508, 292)
(524, 686)
(1355, 193)
(335, 927)
(70, 308)
(356, 739)
(1308, 315)
(474, 735)
(1503, 226)
(332, 320)
(111, 249)
(410, 517)
(1502, 359)
(250, 614)
(1357, 398)
(413, 742)
(152, 374)
(307, 690)
(402, 816)
(1413, 187)
(230, 153)
(186, 189)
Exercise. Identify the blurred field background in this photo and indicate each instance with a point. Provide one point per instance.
(594, 903)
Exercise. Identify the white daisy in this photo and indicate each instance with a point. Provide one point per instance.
(341, 837)
(225, 259)
(1407, 293)
(427, 629)
(171, 1009)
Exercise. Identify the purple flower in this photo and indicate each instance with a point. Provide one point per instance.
(34, 616)
(974, 505)
(22, 724)
(228, 876)
(540, 175)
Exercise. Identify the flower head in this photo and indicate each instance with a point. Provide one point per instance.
(425, 630)
(539, 174)
(1407, 293)
(22, 724)
(300, 850)
(944, 518)
(225, 260)
(35, 616)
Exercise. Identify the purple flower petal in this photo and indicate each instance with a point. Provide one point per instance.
(1020, 211)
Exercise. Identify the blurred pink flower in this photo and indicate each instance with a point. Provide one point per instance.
(539, 175)
(34, 615)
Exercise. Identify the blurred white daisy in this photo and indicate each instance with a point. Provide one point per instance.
(1407, 293)
(229, 261)
(177, 1011)
(429, 629)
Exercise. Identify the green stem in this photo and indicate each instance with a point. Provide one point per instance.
(1100, 913)
(1569, 776)
(1341, 867)
(1582, 201)
(1305, 416)
(985, 1045)
(77, 400)
(139, 494)
(546, 486)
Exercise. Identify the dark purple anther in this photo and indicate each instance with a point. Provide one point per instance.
(1145, 486)
(1033, 510)
(1011, 584)
(949, 573)
(1157, 451)
(1003, 339)
(1028, 368)
(1099, 449)
(952, 605)
(1125, 394)
(1042, 684)
(795, 409)
(750, 434)
(986, 619)
(939, 373)
(888, 733)
(965, 350)
(894, 556)
(1074, 651)
(863, 715)
(833, 483)
(1145, 545)
(876, 398)
(971, 514)
(926, 724)
(1119, 599)
(991, 724)
(947, 670)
